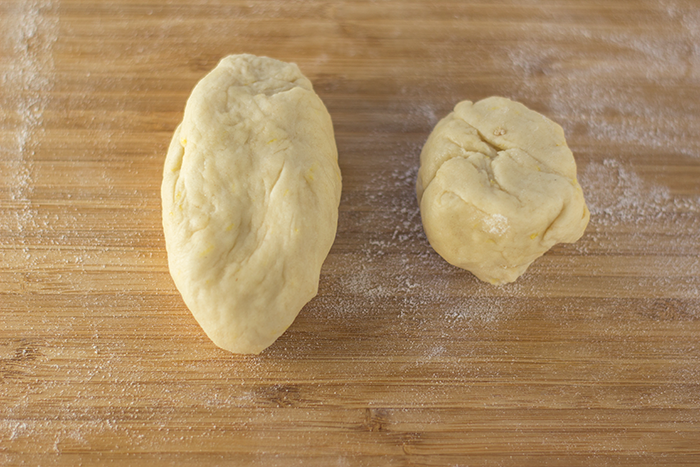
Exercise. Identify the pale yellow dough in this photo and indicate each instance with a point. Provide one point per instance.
(250, 193)
(497, 188)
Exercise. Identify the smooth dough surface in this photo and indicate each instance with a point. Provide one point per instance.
(250, 192)
(497, 188)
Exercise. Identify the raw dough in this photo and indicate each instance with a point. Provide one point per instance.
(497, 188)
(250, 192)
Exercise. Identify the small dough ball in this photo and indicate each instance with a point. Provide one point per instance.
(251, 187)
(497, 188)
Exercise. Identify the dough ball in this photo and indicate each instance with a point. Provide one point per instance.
(497, 188)
(250, 193)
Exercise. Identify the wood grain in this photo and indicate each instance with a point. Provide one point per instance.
(591, 358)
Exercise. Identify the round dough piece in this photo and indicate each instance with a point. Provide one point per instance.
(497, 188)
(251, 187)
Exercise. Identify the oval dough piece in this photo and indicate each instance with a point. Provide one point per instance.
(251, 187)
(497, 188)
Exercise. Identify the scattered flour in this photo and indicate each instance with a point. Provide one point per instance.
(496, 224)
(616, 194)
(27, 81)
(581, 87)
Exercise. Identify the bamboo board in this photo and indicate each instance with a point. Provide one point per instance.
(591, 358)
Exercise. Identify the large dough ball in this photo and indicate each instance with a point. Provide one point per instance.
(250, 192)
(497, 188)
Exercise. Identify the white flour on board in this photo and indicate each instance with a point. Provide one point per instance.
(29, 36)
(616, 194)
(583, 87)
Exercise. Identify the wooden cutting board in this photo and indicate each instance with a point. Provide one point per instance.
(591, 358)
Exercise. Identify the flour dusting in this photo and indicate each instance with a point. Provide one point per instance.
(616, 194)
(583, 89)
(496, 224)
(30, 34)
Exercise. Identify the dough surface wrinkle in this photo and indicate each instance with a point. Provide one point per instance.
(515, 180)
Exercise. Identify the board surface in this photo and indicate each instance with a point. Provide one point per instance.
(591, 358)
